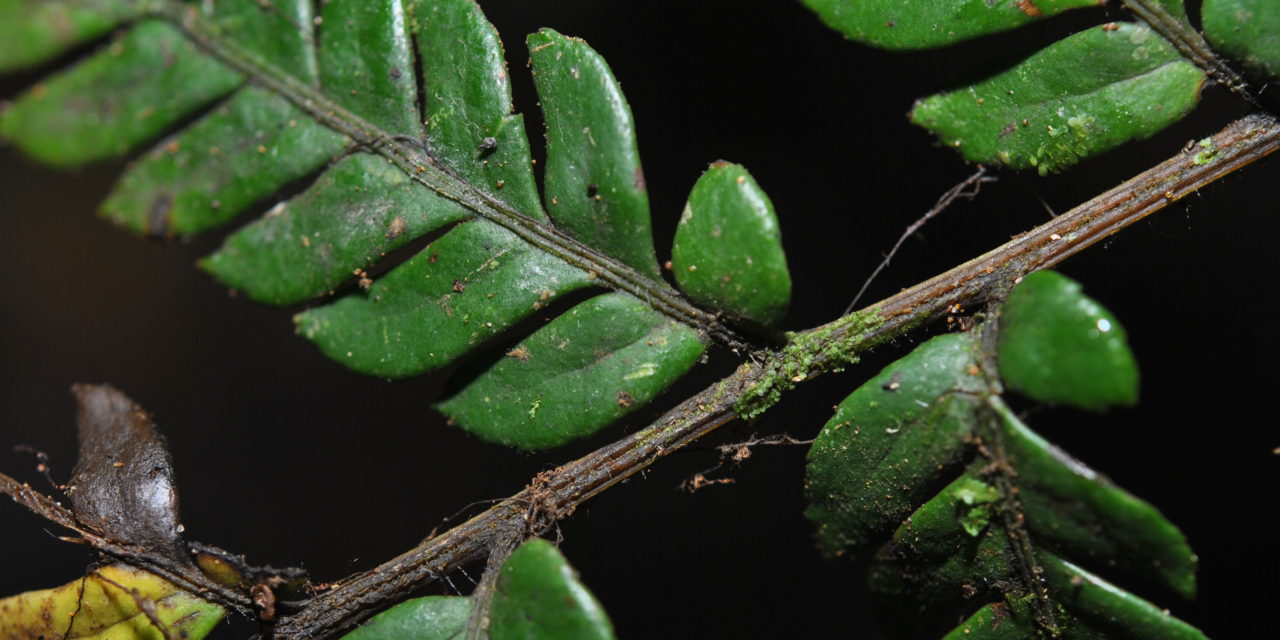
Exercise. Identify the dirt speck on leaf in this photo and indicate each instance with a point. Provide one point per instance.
(625, 399)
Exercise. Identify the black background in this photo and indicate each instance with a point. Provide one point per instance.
(287, 457)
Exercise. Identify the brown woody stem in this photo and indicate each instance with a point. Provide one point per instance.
(555, 494)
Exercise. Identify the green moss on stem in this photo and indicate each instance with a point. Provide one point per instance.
(822, 350)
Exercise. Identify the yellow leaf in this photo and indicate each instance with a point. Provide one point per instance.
(111, 603)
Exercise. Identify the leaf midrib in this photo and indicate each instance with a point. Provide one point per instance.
(427, 171)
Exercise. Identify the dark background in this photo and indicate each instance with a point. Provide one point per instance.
(287, 457)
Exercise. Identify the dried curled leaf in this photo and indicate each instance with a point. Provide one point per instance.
(122, 486)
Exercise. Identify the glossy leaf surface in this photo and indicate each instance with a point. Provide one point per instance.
(1074, 99)
(1058, 345)
(539, 597)
(359, 211)
(594, 185)
(468, 103)
(727, 252)
(1108, 611)
(1080, 513)
(476, 281)
(1246, 30)
(924, 24)
(599, 361)
(889, 443)
(105, 605)
(367, 63)
(429, 618)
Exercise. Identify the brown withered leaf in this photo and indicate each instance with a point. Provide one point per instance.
(122, 486)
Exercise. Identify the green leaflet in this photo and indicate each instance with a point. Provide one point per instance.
(727, 252)
(468, 286)
(937, 551)
(594, 186)
(146, 82)
(599, 361)
(279, 34)
(889, 442)
(1247, 30)
(97, 607)
(1176, 9)
(245, 149)
(478, 279)
(468, 103)
(36, 30)
(937, 566)
(924, 24)
(997, 621)
(539, 597)
(1014, 502)
(235, 156)
(363, 208)
(1111, 611)
(367, 63)
(1101, 612)
(1058, 345)
(1074, 99)
(360, 210)
(429, 618)
(352, 69)
(116, 99)
(1081, 514)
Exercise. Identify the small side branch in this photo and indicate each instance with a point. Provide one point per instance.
(967, 188)
(735, 453)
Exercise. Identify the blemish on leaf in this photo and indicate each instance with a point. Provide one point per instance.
(397, 227)
(159, 218)
(625, 399)
(645, 370)
(1028, 7)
